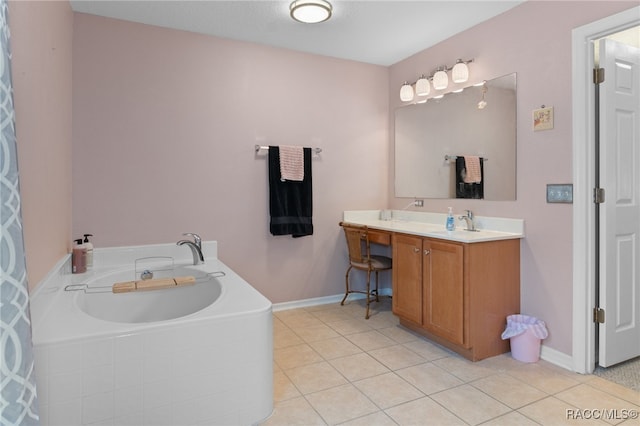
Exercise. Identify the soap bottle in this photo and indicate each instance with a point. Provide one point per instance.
(79, 258)
(451, 223)
(89, 246)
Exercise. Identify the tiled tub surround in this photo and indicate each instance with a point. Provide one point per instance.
(427, 224)
(214, 366)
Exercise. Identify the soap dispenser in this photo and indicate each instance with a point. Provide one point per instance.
(79, 258)
(89, 246)
(451, 223)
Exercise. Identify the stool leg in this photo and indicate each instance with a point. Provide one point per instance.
(346, 279)
(377, 299)
(368, 292)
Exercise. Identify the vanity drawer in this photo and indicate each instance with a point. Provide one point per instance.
(379, 237)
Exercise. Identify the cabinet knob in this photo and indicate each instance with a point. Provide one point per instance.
(427, 252)
(416, 250)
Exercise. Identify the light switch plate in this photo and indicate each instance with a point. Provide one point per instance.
(560, 193)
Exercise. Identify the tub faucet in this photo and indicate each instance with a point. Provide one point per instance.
(471, 225)
(195, 246)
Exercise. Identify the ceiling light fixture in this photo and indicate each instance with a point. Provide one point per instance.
(310, 11)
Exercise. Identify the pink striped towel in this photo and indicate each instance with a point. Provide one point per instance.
(472, 164)
(291, 163)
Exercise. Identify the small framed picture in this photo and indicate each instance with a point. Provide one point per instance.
(543, 118)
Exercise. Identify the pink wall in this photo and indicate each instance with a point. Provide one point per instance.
(164, 128)
(533, 40)
(41, 38)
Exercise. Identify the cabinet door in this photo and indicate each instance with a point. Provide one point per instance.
(407, 277)
(443, 297)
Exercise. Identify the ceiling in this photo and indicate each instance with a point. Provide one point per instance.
(371, 31)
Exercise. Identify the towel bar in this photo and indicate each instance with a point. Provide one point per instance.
(453, 157)
(259, 148)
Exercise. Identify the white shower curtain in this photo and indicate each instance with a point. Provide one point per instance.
(18, 401)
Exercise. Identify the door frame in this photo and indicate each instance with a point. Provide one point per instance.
(583, 118)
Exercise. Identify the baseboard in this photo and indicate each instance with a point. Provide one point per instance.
(556, 357)
(336, 298)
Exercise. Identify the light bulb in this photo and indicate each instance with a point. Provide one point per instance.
(440, 80)
(406, 92)
(423, 88)
(460, 72)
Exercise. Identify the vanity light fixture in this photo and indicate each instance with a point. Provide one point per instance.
(439, 80)
(406, 92)
(310, 11)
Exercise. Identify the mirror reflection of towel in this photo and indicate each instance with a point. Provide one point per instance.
(468, 190)
(290, 202)
(472, 165)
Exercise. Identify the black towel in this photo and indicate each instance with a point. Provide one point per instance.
(468, 190)
(290, 202)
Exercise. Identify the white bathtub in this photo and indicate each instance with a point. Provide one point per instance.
(201, 354)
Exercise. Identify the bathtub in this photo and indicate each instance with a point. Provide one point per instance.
(195, 355)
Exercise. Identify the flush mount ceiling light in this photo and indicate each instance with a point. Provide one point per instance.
(310, 11)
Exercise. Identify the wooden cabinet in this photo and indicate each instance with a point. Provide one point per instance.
(457, 294)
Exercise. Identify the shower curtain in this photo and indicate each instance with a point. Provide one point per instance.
(18, 401)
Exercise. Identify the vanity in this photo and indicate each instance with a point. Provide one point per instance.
(453, 287)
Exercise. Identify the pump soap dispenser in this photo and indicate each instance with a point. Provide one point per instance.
(451, 223)
(89, 246)
(79, 258)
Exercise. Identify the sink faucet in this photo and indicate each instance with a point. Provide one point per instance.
(195, 246)
(471, 226)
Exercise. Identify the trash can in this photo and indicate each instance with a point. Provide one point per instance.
(526, 333)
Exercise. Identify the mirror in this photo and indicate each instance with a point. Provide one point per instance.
(432, 138)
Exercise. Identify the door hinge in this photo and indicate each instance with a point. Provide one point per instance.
(598, 315)
(598, 75)
(598, 195)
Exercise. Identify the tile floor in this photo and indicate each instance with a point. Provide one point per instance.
(334, 367)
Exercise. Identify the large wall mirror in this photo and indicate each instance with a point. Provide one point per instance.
(432, 139)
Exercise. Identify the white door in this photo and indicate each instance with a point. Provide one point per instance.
(619, 335)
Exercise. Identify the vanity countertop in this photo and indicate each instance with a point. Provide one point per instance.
(428, 224)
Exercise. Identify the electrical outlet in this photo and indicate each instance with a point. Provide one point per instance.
(418, 203)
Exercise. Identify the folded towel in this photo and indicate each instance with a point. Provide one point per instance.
(472, 164)
(291, 163)
(290, 202)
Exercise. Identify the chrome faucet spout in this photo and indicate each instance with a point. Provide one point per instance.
(468, 218)
(195, 246)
